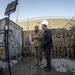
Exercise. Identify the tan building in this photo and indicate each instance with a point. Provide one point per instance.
(54, 22)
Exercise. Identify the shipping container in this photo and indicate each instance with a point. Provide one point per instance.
(15, 38)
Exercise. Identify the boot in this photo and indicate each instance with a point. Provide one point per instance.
(39, 64)
(36, 64)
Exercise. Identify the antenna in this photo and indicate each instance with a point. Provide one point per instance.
(17, 11)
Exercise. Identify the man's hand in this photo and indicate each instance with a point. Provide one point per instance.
(35, 37)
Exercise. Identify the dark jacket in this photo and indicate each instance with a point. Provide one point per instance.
(47, 39)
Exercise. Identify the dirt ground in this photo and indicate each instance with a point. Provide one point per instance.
(59, 67)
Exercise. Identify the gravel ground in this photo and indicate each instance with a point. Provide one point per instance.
(64, 65)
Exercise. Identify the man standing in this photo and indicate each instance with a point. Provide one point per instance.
(62, 45)
(66, 44)
(47, 45)
(58, 46)
(27, 43)
(37, 41)
(71, 45)
(74, 44)
(54, 46)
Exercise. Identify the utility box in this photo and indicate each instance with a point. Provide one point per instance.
(15, 38)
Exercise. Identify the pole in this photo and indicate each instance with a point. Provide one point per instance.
(7, 44)
(17, 13)
(11, 8)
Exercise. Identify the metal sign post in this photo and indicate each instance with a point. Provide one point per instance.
(11, 8)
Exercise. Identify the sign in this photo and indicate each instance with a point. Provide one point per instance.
(11, 7)
(1, 52)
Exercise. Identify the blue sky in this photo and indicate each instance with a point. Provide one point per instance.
(40, 8)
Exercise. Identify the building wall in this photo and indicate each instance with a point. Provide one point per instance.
(53, 24)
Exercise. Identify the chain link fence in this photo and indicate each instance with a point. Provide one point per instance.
(68, 28)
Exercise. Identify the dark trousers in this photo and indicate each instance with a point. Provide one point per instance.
(74, 51)
(48, 58)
